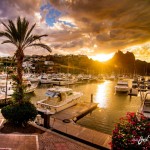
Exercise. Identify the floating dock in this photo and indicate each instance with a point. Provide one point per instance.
(64, 122)
(76, 112)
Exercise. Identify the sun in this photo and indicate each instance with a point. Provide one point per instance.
(102, 57)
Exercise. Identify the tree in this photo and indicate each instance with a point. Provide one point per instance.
(20, 36)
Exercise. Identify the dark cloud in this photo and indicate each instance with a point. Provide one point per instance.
(119, 23)
(98, 26)
(10, 9)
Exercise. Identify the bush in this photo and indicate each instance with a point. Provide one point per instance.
(131, 133)
(19, 114)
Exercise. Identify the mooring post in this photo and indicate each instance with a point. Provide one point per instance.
(46, 120)
(91, 98)
(130, 92)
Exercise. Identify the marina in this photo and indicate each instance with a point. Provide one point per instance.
(111, 106)
(75, 81)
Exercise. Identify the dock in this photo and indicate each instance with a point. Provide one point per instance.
(76, 112)
(90, 137)
(64, 122)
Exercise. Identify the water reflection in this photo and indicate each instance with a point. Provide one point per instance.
(111, 106)
(101, 97)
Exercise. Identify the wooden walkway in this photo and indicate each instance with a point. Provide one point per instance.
(97, 138)
(64, 122)
(76, 112)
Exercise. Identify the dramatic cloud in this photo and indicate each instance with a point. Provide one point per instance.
(113, 24)
(84, 26)
(10, 9)
(141, 52)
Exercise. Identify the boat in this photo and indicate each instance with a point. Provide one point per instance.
(145, 107)
(58, 99)
(32, 78)
(62, 81)
(45, 79)
(122, 86)
(30, 88)
(134, 84)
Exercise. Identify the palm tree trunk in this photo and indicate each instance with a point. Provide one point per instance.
(20, 56)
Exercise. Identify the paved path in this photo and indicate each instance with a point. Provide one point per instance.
(19, 142)
(53, 141)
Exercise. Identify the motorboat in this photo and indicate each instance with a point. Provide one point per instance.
(134, 84)
(45, 79)
(145, 107)
(29, 88)
(122, 86)
(58, 99)
(62, 81)
(32, 78)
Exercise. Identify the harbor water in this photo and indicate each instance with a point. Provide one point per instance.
(111, 105)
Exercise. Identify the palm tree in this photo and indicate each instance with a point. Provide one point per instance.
(20, 36)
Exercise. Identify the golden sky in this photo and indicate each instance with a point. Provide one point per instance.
(97, 28)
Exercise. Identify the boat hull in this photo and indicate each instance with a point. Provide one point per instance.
(43, 106)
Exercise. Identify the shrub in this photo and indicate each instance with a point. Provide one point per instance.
(131, 133)
(19, 113)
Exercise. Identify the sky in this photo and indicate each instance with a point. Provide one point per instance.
(96, 28)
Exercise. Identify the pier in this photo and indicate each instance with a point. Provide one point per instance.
(76, 112)
(64, 122)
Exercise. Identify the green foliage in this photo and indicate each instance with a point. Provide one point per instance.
(131, 133)
(17, 95)
(19, 113)
(20, 35)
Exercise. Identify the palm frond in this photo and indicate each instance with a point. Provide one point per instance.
(7, 28)
(6, 41)
(41, 45)
(13, 29)
(22, 27)
(8, 36)
(33, 38)
(28, 34)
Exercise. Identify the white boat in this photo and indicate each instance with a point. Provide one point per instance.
(32, 78)
(145, 107)
(58, 99)
(62, 81)
(134, 84)
(122, 86)
(30, 88)
(45, 79)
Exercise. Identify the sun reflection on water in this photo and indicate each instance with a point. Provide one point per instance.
(101, 95)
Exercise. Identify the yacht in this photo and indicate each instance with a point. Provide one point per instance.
(122, 86)
(30, 88)
(62, 81)
(145, 107)
(58, 99)
(45, 79)
(134, 84)
(32, 78)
